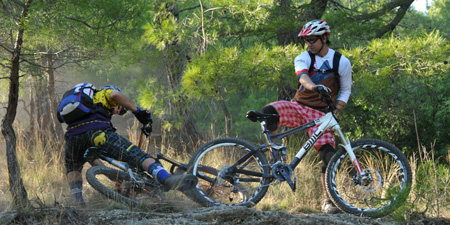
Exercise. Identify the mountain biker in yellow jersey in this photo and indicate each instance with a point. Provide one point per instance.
(320, 66)
(97, 130)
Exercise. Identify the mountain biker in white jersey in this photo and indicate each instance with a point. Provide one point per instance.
(307, 106)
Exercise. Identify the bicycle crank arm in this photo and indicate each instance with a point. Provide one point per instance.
(287, 177)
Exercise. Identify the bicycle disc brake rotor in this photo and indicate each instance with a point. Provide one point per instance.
(370, 180)
(279, 168)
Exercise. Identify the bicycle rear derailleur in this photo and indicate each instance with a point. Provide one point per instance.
(283, 172)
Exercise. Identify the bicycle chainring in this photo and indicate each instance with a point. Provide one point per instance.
(280, 168)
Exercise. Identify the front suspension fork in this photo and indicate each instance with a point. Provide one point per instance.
(348, 148)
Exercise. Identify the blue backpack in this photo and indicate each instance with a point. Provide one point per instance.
(76, 103)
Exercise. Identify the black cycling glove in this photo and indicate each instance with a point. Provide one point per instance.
(143, 116)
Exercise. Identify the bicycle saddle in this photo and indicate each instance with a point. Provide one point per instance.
(259, 116)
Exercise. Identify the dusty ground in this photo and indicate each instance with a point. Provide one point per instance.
(214, 215)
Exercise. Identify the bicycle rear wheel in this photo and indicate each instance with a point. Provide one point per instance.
(118, 186)
(219, 183)
(387, 184)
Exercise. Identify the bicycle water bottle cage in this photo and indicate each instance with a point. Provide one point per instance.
(259, 116)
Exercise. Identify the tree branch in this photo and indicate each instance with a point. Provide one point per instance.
(368, 16)
(398, 17)
(186, 9)
(5, 66)
(92, 27)
(6, 48)
(21, 4)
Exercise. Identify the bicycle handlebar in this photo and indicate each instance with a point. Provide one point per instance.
(146, 130)
(325, 97)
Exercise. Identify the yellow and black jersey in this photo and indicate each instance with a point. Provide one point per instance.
(103, 98)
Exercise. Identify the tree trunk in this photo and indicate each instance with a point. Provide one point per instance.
(40, 105)
(52, 99)
(227, 118)
(226, 113)
(175, 63)
(18, 192)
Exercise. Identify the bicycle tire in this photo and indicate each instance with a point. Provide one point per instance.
(213, 158)
(118, 186)
(389, 182)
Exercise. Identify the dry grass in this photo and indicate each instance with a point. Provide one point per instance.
(42, 168)
(430, 195)
(308, 195)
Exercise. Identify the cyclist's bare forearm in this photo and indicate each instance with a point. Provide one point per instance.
(339, 106)
(123, 100)
(306, 82)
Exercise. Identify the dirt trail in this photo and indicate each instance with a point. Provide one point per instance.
(201, 216)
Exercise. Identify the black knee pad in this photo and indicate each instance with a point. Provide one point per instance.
(326, 152)
(272, 123)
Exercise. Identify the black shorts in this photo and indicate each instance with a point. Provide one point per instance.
(112, 145)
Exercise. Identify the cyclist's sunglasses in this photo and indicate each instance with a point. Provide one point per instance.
(311, 40)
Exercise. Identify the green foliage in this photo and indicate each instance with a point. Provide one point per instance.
(227, 70)
(213, 75)
(430, 193)
(401, 83)
(210, 118)
(439, 14)
(220, 74)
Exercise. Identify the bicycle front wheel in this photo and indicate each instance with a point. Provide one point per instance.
(118, 186)
(222, 183)
(384, 186)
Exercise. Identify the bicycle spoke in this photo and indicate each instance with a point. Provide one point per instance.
(231, 185)
(385, 180)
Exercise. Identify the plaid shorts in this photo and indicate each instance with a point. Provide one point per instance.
(112, 145)
(293, 114)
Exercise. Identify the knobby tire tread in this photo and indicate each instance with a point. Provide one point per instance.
(378, 213)
(195, 194)
(111, 194)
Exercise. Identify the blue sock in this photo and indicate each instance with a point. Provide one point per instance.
(77, 190)
(158, 171)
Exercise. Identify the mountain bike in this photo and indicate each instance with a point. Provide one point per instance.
(367, 177)
(131, 186)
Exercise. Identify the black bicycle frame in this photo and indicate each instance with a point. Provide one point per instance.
(276, 137)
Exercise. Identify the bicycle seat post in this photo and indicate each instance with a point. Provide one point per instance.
(278, 152)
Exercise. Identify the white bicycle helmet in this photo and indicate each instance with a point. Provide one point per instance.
(315, 27)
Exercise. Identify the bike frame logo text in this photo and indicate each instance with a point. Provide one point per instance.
(312, 140)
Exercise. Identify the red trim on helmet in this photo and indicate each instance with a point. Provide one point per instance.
(305, 32)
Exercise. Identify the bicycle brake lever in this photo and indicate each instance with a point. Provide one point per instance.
(147, 130)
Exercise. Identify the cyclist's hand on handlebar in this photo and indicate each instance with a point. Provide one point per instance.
(144, 116)
(319, 89)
